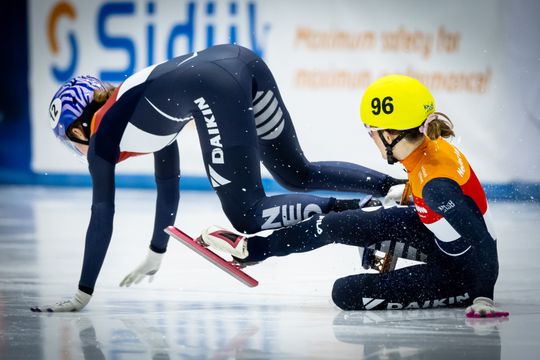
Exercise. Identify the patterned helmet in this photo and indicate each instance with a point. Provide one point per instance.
(68, 104)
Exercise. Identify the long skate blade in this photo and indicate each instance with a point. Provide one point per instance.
(211, 256)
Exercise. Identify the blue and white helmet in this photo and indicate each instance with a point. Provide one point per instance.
(68, 104)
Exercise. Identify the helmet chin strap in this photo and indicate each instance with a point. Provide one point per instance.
(389, 147)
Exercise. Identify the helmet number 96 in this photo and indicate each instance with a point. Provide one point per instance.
(385, 105)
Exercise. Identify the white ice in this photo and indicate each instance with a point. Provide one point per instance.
(194, 311)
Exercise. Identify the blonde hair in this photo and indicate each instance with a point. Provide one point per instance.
(441, 126)
(101, 96)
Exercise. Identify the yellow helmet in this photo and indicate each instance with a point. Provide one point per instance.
(396, 102)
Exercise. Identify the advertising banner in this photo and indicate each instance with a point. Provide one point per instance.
(323, 55)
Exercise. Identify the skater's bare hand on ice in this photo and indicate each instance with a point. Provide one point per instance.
(147, 268)
(484, 307)
(76, 303)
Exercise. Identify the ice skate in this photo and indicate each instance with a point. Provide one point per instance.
(226, 241)
(385, 263)
(231, 267)
(379, 261)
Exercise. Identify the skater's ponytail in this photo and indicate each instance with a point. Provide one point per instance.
(435, 126)
(101, 96)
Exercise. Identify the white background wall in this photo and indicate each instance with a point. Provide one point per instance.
(323, 55)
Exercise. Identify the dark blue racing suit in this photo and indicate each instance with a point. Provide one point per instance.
(450, 227)
(241, 120)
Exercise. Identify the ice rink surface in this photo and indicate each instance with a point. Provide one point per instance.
(194, 311)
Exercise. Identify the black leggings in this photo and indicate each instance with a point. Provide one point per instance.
(243, 122)
(441, 281)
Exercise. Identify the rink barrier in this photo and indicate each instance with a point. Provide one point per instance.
(513, 191)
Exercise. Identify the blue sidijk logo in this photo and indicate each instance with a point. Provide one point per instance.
(58, 12)
(108, 12)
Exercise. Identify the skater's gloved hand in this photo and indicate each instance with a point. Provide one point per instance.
(484, 307)
(393, 198)
(79, 301)
(147, 268)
